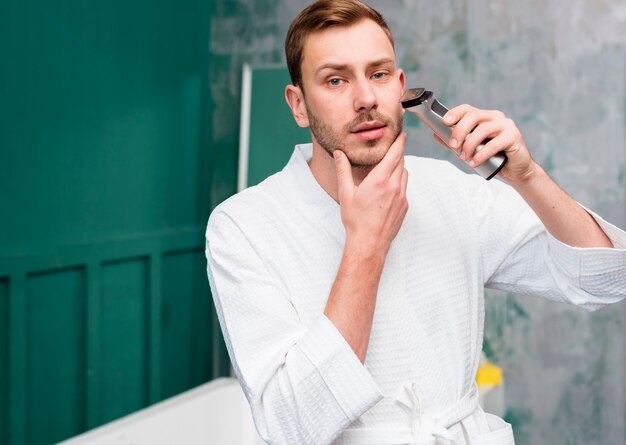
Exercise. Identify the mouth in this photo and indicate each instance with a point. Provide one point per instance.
(369, 130)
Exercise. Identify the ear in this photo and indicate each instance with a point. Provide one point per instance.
(295, 100)
(402, 78)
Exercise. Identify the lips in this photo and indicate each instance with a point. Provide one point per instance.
(369, 131)
(366, 126)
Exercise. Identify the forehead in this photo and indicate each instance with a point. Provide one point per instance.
(352, 45)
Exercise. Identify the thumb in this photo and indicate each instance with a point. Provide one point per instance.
(345, 184)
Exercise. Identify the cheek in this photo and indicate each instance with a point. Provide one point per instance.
(394, 111)
(393, 95)
(330, 106)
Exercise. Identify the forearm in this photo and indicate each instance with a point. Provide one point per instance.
(352, 299)
(372, 213)
(562, 216)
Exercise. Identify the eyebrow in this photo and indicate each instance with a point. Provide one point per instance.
(343, 66)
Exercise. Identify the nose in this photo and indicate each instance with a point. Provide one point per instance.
(364, 96)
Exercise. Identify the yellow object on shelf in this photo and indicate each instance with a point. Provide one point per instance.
(489, 374)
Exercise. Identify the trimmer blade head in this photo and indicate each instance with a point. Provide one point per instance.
(412, 97)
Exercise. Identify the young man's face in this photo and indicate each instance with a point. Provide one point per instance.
(352, 91)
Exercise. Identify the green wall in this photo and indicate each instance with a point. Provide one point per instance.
(274, 134)
(108, 172)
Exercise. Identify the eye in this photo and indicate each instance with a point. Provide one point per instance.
(379, 75)
(335, 82)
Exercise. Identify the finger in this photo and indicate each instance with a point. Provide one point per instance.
(453, 115)
(395, 153)
(343, 169)
(403, 190)
(405, 181)
(468, 122)
(489, 129)
(396, 174)
(494, 146)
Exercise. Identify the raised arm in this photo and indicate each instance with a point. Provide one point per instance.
(372, 214)
(563, 217)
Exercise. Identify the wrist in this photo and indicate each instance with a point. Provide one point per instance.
(365, 249)
(530, 175)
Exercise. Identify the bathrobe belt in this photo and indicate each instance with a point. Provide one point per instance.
(425, 429)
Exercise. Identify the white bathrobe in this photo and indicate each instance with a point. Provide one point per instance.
(273, 253)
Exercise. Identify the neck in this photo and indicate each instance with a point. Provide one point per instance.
(322, 166)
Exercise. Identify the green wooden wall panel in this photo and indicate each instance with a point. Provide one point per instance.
(101, 103)
(271, 145)
(56, 355)
(108, 153)
(185, 322)
(4, 360)
(134, 339)
(123, 323)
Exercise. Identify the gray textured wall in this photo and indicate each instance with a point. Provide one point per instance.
(559, 70)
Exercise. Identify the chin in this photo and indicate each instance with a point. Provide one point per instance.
(369, 155)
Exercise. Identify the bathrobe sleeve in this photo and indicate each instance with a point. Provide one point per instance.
(304, 383)
(520, 256)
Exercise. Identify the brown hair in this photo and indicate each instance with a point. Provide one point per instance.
(321, 15)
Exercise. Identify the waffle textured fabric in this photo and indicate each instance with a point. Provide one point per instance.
(273, 253)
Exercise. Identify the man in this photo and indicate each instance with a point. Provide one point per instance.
(349, 286)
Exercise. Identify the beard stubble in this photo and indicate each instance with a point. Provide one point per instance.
(331, 139)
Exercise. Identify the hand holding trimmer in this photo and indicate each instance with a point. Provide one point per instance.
(425, 106)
